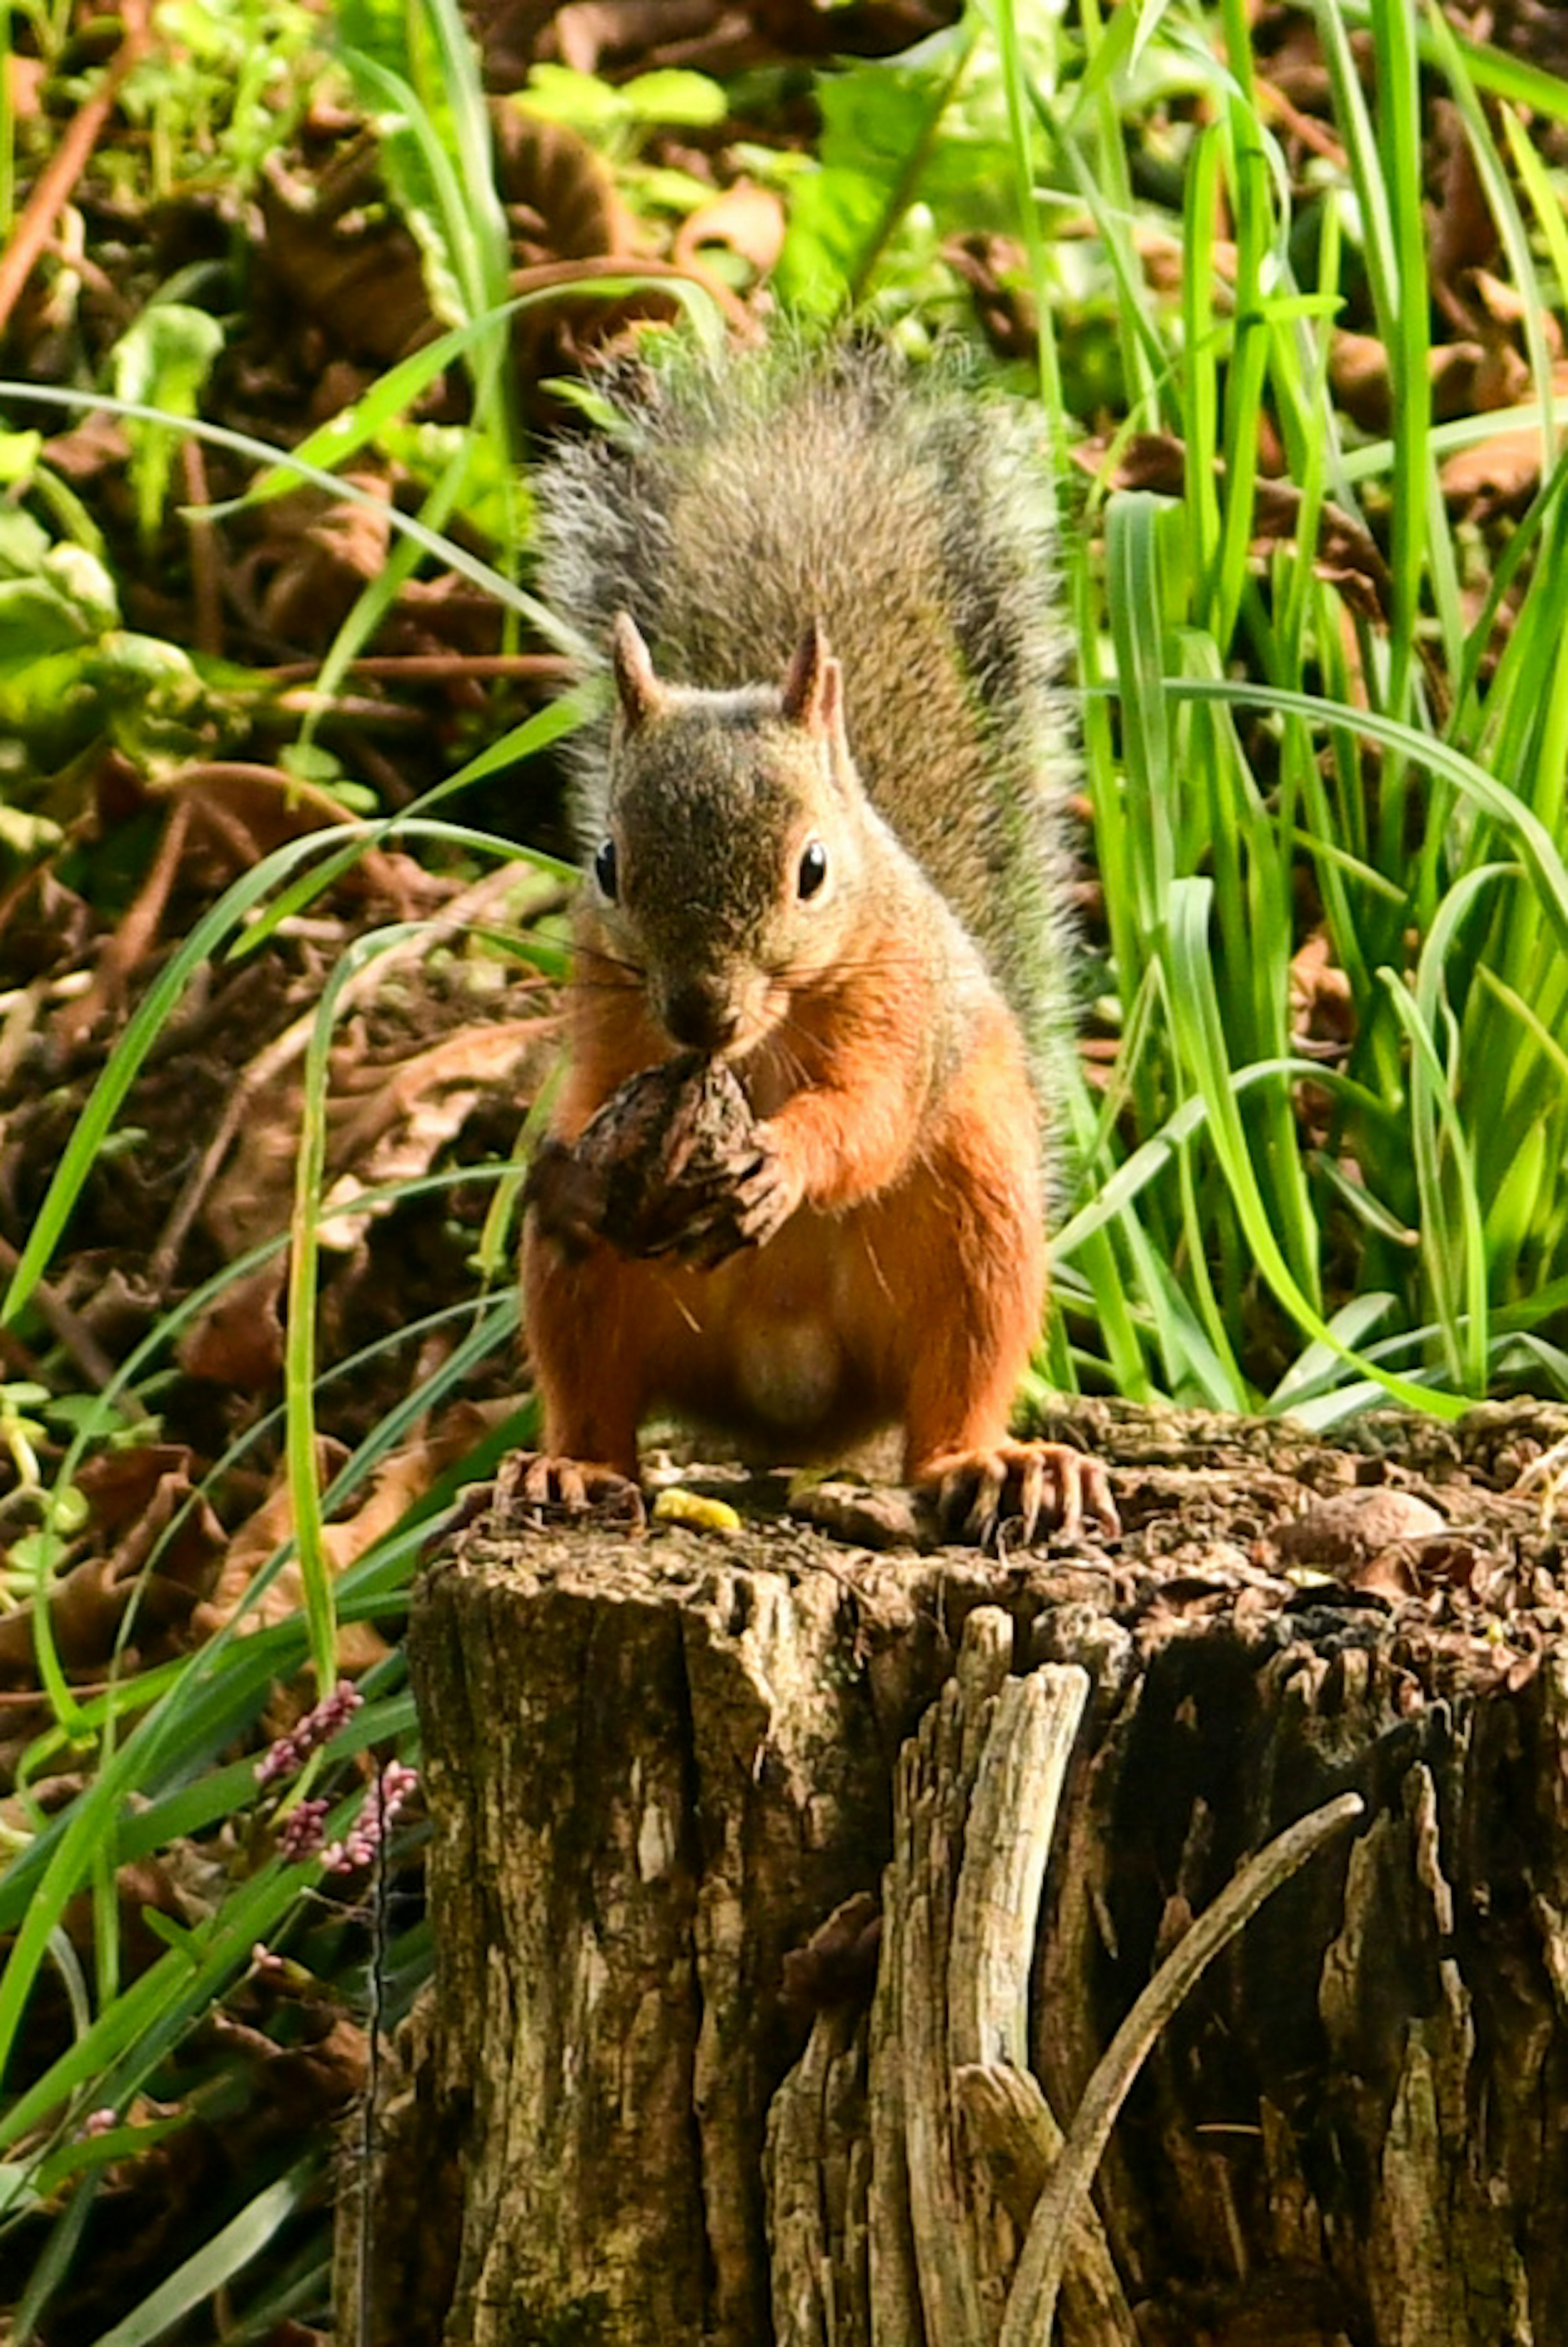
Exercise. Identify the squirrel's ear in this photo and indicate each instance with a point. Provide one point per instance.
(814, 688)
(641, 695)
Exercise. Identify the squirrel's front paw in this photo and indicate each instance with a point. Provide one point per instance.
(1038, 1487)
(755, 1204)
(542, 1488)
(567, 1193)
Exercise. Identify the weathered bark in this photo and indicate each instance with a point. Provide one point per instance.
(657, 1767)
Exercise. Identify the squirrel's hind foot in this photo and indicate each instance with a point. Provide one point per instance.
(1038, 1486)
(547, 1489)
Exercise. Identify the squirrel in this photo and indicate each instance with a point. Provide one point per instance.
(820, 817)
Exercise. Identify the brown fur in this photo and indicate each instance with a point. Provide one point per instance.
(895, 1062)
(906, 1289)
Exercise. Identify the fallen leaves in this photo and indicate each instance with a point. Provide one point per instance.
(155, 1539)
(401, 1479)
(1384, 1541)
(437, 1034)
(1374, 1540)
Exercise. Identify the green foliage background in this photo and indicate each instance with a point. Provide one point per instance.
(1254, 1223)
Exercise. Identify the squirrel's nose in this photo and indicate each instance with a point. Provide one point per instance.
(702, 1015)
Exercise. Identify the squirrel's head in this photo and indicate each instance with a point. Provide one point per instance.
(737, 824)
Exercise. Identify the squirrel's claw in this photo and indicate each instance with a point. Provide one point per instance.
(746, 1213)
(712, 1227)
(1036, 1487)
(545, 1488)
(765, 1197)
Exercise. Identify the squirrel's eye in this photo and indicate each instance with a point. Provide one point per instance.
(604, 870)
(813, 867)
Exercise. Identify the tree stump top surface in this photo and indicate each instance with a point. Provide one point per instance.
(1395, 1532)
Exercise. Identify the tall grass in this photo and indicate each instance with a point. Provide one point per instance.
(1269, 760)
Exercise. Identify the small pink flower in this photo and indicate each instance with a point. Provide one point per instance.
(376, 1812)
(300, 1833)
(287, 1755)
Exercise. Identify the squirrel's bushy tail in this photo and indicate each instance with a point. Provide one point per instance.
(912, 513)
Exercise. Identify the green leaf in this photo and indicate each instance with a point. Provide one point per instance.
(880, 154)
(19, 454)
(600, 110)
(90, 2152)
(19, 2192)
(161, 361)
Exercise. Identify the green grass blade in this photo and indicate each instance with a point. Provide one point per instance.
(300, 1343)
(213, 2266)
(1020, 97)
(1454, 1258)
(1135, 593)
(1536, 847)
(1202, 1039)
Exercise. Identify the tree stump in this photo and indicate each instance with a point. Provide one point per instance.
(765, 1989)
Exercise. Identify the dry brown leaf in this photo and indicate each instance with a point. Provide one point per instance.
(241, 812)
(995, 272)
(1315, 135)
(134, 1496)
(222, 817)
(251, 1198)
(86, 1608)
(310, 2081)
(586, 31)
(562, 188)
(748, 219)
(1501, 300)
(1347, 553)
(314, 555)
(1455, 1562)
(1384, 1543)
(1147, 460)
(568, 220)
(1346, 1535)
(249, 1551)
(99, 444)
(404, 1115)
(1387, 1572)
(1358, 374)
(1165, 262)
(400, 1480)
(1322, 1003)
(1503, 469)
(243, 1188)
(338, 254)
(1470, 378)
(238, 1339)
(84, 1613)
(1463, 233)
(116, 1301)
